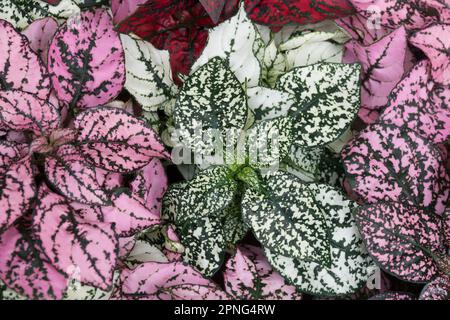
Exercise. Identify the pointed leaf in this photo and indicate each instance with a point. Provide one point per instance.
(149, 77)
(207, 195)
(69, 173)
(249, 276)
(122, 9)
(86, 60)
(327, 100)
(144, 252)
(401, 239)
(386, 163)
(22, 111)
(204, 243)
(115, 140)
(20, 67)
(24, 268)
(40, 34)
(434, 41)
(288, 218)
(212, 98)
(382, 67)
(233, 41)
(420, 104)
(69, 241)
(282, 12)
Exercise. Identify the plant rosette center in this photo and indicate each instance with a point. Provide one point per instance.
(49, 144)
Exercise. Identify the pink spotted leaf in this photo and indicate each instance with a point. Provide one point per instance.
(249, 276)
(122, 9)
(435, 43)
(22, 111)
(437, 289)
(69, 173)
(387, 163)
(86, 60)
(70, 239)
(420, 104)
(40, 34)
(383, 67)
(168, 281)
(17, 187)
(129, 214)
(24, 269)
(20, 66)
(151, 184)
(413, 14)
(114, 140)
(403, 240)
(363, 30)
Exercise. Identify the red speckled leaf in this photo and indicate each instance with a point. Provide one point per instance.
(22, 111)
(17, 187)
(387, 163)
(435, 42)
(382, 67)
(420, 104)
(24, 268)
(40, 34)
(70, 241)
(168, 281)
(151, 184)
(413, 14)
(69, 173)
(114, 140)
(437, 289)
(401, 239)
(249, 276)
(179, 26)
(86, 60)
(20, 67)
(281, 12)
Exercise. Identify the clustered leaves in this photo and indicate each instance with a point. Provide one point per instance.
(324, 130)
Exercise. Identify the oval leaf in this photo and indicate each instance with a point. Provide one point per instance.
(40, 34)
(420, 104)
(115, 140)
(86, 60)
(24, 268)
(327, 101)
(401, 239)
(387, 163)
(69, 241)
(68, 172)
(288, 218)
(20, 67)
